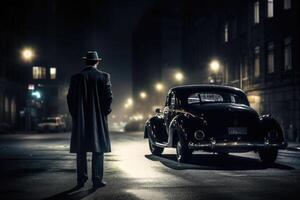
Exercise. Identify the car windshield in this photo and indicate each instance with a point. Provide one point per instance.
(214, 97)
(49, 120)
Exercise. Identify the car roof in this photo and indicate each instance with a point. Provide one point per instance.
(205, 87)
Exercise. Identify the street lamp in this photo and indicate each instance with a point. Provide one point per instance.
(216, 74)
(143, 95)
(179, 76)
(126, 106)
(27, 54)
(159, 87)
(214, 66)
(129, 101)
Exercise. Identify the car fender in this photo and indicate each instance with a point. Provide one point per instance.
(154, 127)
(267, 121)
(182, 126)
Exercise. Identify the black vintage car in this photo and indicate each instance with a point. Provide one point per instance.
(215, 119)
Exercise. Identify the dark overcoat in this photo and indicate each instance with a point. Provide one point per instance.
(89, 100)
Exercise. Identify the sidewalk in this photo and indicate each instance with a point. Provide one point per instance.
(293, 146)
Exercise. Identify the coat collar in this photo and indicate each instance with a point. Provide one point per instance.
(88, 68)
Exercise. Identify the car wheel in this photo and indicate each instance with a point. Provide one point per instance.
(268, 156)
(155, 150)
(183, 153)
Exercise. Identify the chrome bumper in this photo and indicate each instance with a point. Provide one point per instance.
(227, 145)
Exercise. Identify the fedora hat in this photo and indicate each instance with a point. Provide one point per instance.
(92, 55)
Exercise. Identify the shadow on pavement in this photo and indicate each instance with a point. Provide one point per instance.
(215, 162)
(71, 194)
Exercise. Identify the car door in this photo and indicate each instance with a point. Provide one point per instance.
(169, 110)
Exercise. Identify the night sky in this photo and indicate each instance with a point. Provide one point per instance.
(61, 32)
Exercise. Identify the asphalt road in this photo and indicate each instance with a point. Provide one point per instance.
(39, 166)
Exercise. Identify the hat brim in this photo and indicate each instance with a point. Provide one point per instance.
(92, 59)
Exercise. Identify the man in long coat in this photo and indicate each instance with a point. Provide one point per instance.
(89, 101)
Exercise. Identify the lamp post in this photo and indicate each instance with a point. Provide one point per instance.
(159, 87)
(179, 77)
(128, 103)
(215, 71)
(27, 54)
(143, 95)
(214, 66)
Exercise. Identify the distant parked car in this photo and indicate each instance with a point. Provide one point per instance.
(215, 119)
(52, 124)
(134, 126)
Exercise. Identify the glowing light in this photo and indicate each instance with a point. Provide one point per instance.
(129, 101)
(131, 160)
(215, 66)
(27, 54)
(31, 87)
(137, 117)
(179, 76)
(253, 99)
(53, 73)
(143, 95)
(159, 86)
(36, 94)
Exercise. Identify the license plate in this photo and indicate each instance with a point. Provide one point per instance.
(237, 131)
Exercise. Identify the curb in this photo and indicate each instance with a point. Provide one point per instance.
(294, 148)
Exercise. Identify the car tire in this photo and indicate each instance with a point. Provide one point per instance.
(268, 156)
(183, 153)
(155, 150)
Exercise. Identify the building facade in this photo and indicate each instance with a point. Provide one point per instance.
(256, 43)
(12, 73)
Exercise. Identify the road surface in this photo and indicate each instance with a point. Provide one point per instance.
(39, 166)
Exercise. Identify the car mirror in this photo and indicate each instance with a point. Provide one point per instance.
(157, 111)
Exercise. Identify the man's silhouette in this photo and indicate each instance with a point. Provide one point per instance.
(89, 100)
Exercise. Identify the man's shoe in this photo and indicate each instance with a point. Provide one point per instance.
(99, 184)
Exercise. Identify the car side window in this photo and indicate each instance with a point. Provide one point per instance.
(173, 101)
(167, 101)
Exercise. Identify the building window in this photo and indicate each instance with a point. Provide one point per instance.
(38, 72)
(52, 72)
(271, 57)
(256, 12)
(226, 32)
(287, 4)
(270, 8)
(287, 53)
(256, 62)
